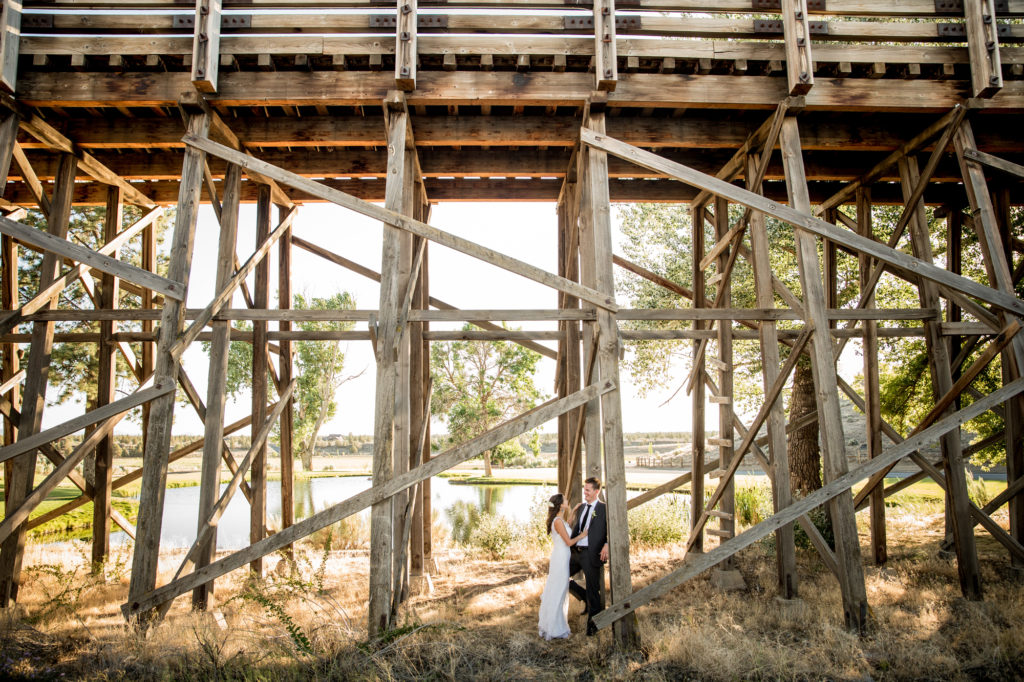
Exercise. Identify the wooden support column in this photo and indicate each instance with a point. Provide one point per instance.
(872, 402)
(606, 59)
(797, 33)
(844, 522)
(206, 45)
(11, 360)
(986, 226)
(419, 384)
(172, 321)
(10, 41)
(216, 391)
(23, 475)
(284, 302)
(569, 460)
(727, 505)
(425, 508)
(699, 439)
(1013, 417)
(625, 629)
(782, 496)
(983, 47)
(148, 302)
(381, 520)
(260, 368)
(106, 388)
(406, 41)
(585, 233)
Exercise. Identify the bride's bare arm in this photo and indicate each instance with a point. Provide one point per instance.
(561, 530)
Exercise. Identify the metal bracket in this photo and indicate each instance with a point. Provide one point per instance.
(774, 27)
(226, 21)
(776, 5)
(422, 21)
(587, 23)
(959, 30)
(956, 7)
(36, 21)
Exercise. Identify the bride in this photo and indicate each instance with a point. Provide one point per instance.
(553, 623)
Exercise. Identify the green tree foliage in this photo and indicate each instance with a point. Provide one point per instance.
(479, 384)
(319, 367)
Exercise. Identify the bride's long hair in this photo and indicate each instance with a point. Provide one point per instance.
(555, 506)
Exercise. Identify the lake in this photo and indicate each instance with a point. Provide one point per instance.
(181, 515)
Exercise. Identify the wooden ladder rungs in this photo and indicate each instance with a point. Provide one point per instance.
(720, 400)
(724, 534)
(718, 514)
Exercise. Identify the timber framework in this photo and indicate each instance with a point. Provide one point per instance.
(806, 111)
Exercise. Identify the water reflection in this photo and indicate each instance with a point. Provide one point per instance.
(312, 495)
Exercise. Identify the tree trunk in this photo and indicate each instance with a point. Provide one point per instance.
(487, 464)
(307, 452)
(804, 453)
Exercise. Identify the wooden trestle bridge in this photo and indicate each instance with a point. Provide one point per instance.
(580, 102)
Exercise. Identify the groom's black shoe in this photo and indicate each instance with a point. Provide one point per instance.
(591, 628)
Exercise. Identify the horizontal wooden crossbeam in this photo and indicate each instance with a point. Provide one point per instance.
(800, 220)
(93, 259)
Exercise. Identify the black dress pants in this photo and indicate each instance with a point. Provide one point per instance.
(590, 564)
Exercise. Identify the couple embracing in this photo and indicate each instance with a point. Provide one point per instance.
(578, 543)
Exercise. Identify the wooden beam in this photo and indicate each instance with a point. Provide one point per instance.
(145, 559)
(805, 221)
(606, 61)
(983, 47)
(10, 39)
(406, 45)
(402, 222)
(206, 45)
(93, 259)
(833, 447)
(797, 36)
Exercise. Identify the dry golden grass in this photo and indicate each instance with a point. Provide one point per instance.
(306, 621)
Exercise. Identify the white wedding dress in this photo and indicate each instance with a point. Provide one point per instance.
(553, 623)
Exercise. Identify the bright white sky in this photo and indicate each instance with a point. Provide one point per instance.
(527, 231)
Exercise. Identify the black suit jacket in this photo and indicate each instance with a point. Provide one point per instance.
(597, 536)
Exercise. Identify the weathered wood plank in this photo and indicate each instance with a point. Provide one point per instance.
(206, 45)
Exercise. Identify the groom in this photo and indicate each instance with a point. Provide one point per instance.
(590, 553)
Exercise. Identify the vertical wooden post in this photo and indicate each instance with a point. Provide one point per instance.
(381, 520)
(844, 522)
(105, 389)
(799, 62)
(625, 630)
(216, 391)
(10, 41)
(426, 509)
(9, 295)
(606, 60)
(260, 369)
(1000, 276)
(418, 386)
(785, 549)
(1013, 422)
(983, 47)
(942, 381)
(872, 402)
(406, 45)
(727, 505)
(284, 302)
(569, 462)
(585, 231)
(147, 303)
(37, 375)
(158, 434)
(699, 437)
(206, 45)
(404, 435)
